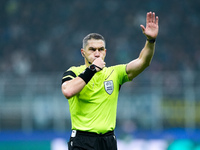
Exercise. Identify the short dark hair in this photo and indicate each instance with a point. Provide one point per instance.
(90, 36)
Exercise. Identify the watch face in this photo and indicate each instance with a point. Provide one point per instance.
(92, 67)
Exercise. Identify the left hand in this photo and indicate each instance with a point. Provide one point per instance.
(151, 30)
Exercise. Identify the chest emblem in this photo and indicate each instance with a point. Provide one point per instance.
(109, 87)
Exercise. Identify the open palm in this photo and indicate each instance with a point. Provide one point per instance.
(151, 30)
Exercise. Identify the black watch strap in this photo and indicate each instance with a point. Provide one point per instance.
(98, 67)
(93, 67)
(151, 40)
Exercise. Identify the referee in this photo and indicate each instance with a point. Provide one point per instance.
(92, 89)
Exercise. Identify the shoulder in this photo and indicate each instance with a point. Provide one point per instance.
(117, 69)
(120, 73)
(120, 67)
(72, 72)
(76, 69)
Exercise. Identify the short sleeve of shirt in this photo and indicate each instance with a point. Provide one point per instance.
(72, 73)
(122, 75)
(68, 75)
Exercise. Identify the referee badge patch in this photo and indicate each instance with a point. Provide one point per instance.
(108, 85)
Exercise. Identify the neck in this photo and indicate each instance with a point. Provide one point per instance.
(87, 63)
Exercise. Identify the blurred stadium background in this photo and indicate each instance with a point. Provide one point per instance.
(40, 39)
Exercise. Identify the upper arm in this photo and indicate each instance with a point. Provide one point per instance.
(68, 76)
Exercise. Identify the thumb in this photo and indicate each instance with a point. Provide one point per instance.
(143, 28)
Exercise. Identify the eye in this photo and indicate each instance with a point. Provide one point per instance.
(101, 49)
(92, 49)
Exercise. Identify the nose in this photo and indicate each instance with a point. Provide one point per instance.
(97, 54)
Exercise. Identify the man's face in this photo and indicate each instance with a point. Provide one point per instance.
(94, 49)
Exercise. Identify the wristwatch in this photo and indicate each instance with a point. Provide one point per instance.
(151, 40)
(92, 67)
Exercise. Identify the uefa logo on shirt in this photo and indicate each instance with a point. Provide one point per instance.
(108, 85)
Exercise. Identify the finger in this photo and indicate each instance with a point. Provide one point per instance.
(157, 19)
(153, 18)
(98, 67)
(143, 28)
(150, 17)
(147, 17)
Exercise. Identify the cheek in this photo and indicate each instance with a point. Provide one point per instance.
(103, 55)
(90, 54)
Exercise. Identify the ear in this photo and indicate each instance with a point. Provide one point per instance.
(82, 52)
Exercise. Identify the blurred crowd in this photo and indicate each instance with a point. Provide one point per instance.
(46, 36)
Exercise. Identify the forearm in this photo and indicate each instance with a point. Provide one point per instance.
(72, 87)
(147, 53)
